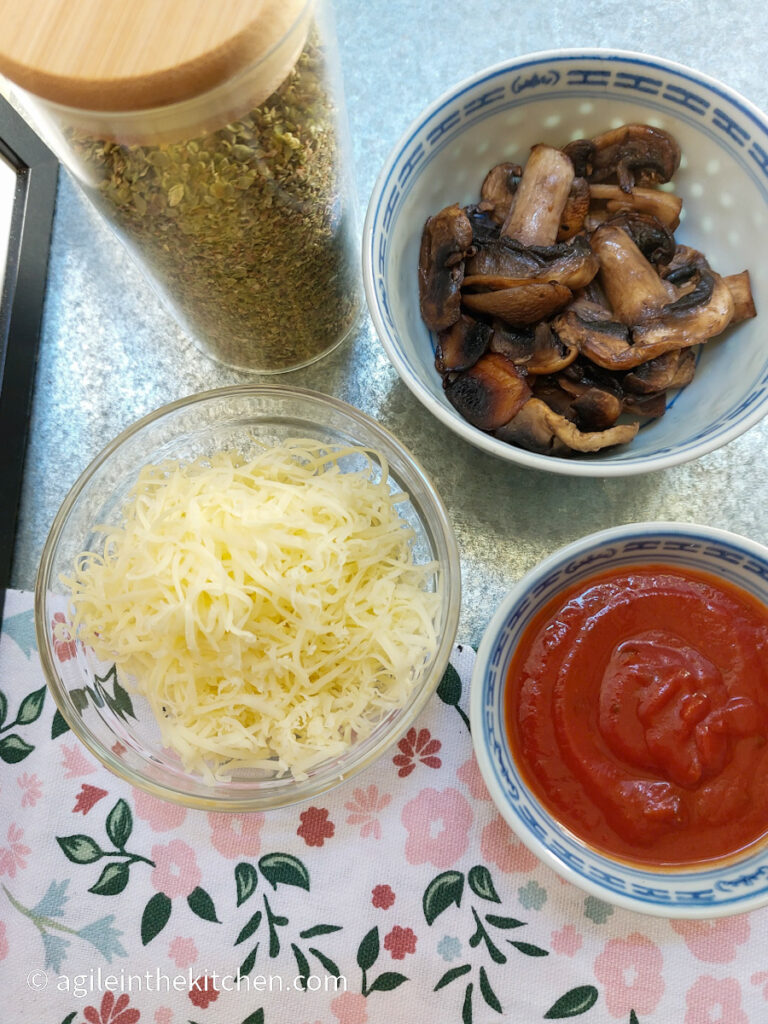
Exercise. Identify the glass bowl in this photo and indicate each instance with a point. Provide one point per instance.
(101, 707)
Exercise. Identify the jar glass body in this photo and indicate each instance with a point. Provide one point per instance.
(239, 203)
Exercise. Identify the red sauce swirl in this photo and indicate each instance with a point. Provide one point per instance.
(637, 709)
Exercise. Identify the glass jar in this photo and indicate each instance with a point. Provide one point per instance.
(224, 166)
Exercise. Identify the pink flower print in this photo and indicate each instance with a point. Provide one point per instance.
(760, 978)
(176, 872)
(709, 996)
(163, 1015)
(350, 1008)
(715, 941)
(416, 746)
(3, 941)
(315, 827)
(160, 815)
(183, 952)
(567, 941)
(236, 835)
(365, 806)
(469, 774)
(87, 798)
(501, 847)
(32, 789)
(203, 992)
(630, 971)
(113, 1011)
(383, 897)
(438, 826)
(400, 942)
(64, 647)
(12, 856)
(74, 762)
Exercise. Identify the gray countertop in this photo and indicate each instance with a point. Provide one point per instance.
(110, 353)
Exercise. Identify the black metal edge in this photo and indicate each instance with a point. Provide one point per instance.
(23, 293)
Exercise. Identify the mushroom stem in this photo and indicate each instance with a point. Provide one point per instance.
(540, 199)
(632, 287)
(741, 293)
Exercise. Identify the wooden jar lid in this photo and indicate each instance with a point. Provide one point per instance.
(135, 54)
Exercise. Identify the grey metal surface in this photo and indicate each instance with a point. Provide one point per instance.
(110, 352)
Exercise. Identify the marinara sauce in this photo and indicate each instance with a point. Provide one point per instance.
(637, 709)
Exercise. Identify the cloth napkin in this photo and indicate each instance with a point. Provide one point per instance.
(400, 897)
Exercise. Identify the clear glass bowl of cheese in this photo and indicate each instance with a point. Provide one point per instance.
(247, 597)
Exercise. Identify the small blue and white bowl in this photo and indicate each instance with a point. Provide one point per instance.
(554, 97)
(729, 886)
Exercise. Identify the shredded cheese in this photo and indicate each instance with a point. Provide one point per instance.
(269, 609)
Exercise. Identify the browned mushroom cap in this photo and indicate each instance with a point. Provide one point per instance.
(665, 206)
(490, 393)
(525, 302)
(540, 351)
(444, 242)
(741, 292)
(572, 263)
(635, 154)
(632, 286)
(498, 189)
(461, 344)
(596, 396)
(672, 370)
(531, 431)
(538, 422)
(540, 199)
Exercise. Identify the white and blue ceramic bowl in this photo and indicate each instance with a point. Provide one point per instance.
(554, 97)
(729, 886)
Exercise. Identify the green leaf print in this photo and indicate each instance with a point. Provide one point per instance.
(120, 824)
(481, 883)
(31, 707)
(284, 869)
(573, 1003)
(155, 917)
(14, 749)
(443, 891)
(246, 880)
(200, 903)
(112, 880)
(80, 849)
(368, 950)
(452, 975)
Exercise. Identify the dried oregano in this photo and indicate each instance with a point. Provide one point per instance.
(248, 229)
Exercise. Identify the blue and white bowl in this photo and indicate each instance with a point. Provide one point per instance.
(554, 97)
(730, 886)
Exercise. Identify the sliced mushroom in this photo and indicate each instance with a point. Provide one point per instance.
(540, 199)
(531, 431)
(741, 292)
(490, 393)
(633, 288)
(596, 409)
(650, 406)
(635, 154)
(572, 263)
(498, 189)
(538, 421)
(576, 210)
(654, 240)
(672, 370)
(444, 242)
(461, 344)
(527, 302)
(665, 206)
(702, 312)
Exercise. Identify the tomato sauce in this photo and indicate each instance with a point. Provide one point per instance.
(637, 710)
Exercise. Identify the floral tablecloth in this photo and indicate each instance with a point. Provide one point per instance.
(398, 898)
